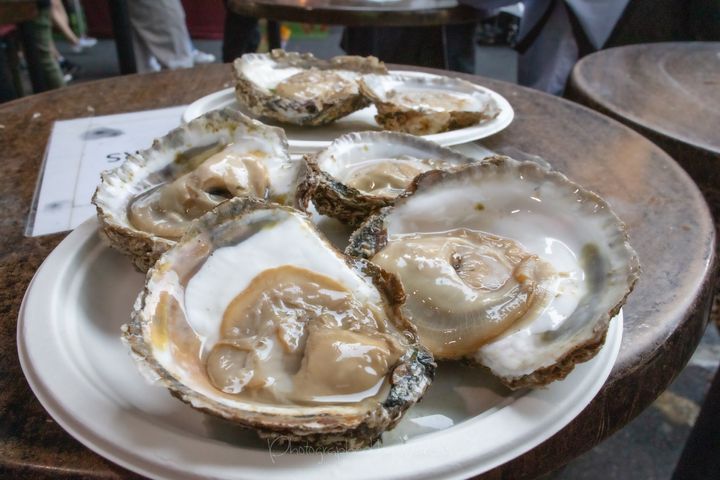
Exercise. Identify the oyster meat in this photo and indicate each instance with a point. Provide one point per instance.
(255, 318)
(424, 105)
(362, 172)
(146, 204)
(505, 264)
(300, 89)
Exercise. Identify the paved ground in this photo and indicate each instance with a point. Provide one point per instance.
(648, 447)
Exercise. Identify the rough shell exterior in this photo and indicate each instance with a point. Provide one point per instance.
(333, 198)
(371, 237)
(420, 121)
(410, 378)
(262, 102)
(117, 187)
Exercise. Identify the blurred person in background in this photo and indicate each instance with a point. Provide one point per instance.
(160, 36)
(557, 33)
(62, 23)
(39, 32)
(554, 34)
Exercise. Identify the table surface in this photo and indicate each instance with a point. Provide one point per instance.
(672, 89)
(670, 93)
(358, 13)
(666, 217)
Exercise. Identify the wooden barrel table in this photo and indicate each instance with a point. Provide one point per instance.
(670, 93)
(666, 216)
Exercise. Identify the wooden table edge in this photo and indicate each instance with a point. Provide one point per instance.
(579, 90)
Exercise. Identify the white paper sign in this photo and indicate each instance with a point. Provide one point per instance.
(78, 151)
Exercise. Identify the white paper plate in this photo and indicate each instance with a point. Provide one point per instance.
(71, 353)
(311, 139)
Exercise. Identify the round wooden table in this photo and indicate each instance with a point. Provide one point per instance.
(667, 219)
(670, 93)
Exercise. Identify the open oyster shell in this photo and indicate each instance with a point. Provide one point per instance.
(255, 318)
(360, 173)
(299, 88)
(424, 105)
(145, 204)
(507, 265)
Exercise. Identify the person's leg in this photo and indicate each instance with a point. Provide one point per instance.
(144, 61)
(61, 22)
(76, 16)
(11, 47)
(547, 63)
(68, 68)
(55, 52)
(37, 40)
(7, 86)
(179, 53)
(159, 29)
(241, 35)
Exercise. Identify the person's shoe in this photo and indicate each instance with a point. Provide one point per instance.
(83, 43)
(153, 65)
(68, 68)
(202, 57)
(87, 42)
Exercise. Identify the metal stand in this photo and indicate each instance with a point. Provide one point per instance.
(123, 36)
(273, 34)
(700, 458)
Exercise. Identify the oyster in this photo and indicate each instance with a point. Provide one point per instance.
(506, 264)
(145, 205)
(290, 338)
(362, 172)
(424, 105)
(299, 88)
